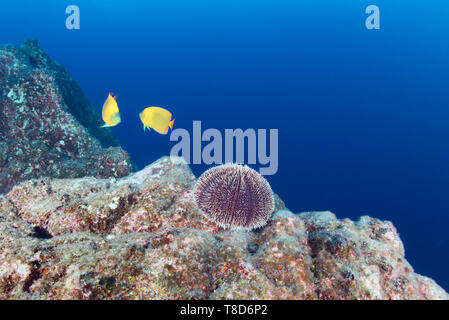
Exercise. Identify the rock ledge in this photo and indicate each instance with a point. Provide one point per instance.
(142, 237)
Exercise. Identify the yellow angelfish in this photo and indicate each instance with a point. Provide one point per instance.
(156, 118)
(110, 113)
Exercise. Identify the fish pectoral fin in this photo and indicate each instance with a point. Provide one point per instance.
(116, 118)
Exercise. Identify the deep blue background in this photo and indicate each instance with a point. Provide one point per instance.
(362, 115)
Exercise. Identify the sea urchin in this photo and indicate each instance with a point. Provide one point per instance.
(234, 196)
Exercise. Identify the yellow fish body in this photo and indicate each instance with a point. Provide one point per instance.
(110, 113)
(156, 118)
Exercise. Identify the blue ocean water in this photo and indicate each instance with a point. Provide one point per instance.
(362, 114)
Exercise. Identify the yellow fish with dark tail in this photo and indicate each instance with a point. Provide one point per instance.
(156, 118)
(110, 113)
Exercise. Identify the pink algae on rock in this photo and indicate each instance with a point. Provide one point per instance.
(142, 237)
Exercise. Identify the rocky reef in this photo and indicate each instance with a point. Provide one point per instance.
(76, 224)
(142, 237)
(48, 126)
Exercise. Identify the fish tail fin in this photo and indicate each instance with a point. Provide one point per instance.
(171, 124)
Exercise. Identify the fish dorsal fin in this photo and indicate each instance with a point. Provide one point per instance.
(112, 96)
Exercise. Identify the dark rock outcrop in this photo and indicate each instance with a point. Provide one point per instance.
(48, 126)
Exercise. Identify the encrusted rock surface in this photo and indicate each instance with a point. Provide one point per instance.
(142, 237)
(47, 125)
